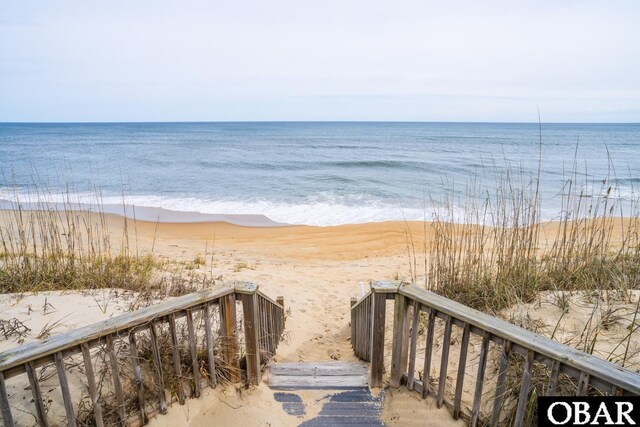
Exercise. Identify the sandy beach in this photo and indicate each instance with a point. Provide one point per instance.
(316, 269)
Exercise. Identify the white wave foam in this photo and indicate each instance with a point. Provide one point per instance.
(324, 209)
(321, 210)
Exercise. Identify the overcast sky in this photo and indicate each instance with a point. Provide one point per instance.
(575, 61)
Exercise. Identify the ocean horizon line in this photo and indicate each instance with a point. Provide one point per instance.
(109, 122)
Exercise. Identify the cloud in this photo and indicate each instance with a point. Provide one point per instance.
(334, 60)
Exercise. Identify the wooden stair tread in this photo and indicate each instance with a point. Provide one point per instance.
(317, 375)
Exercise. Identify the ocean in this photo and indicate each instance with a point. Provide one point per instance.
(315, 173)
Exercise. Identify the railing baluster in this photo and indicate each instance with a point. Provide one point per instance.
(270, 344)
(5, 408)
(355, 336)
(264, 329)
(276, 327)
(260, 325)
(364, 325)
(64, 388)
(365, 330)
(280, 323)
(354, 316)
(275, 322)
(228, 325)
(446, 343)
(368, 324)
(366, 319)
(414, 339)
(117, 384)
(41, 412)
(265, 326)
(368, 337)
(501, 382)
(273, 342)
(482, 364)
(377, 338)
(553, 378)
(404, 354)
(462, 366)
(251, 337)
(194, 353)
(583, 384)
(157, 365)
(177, 364)
(91, 382)
(209, 343)
(400, 342)
(524, 389)
(133, 347)
(428, 352)
(362, 331)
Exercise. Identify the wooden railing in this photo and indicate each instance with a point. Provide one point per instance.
(360, 322)
(514, 348)
(145, 347)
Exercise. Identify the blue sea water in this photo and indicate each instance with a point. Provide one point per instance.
(311, 173)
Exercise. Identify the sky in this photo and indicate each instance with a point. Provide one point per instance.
(152, 60)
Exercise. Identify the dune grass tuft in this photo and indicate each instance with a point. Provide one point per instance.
(501, 254)
(66, 246)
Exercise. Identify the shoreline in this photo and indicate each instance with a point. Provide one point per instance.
(177, 235)
(146, 213)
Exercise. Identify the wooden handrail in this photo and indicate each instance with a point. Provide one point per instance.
(541, 345)
(358, 302)
(368, 328)
(263, 320)
(39, 349)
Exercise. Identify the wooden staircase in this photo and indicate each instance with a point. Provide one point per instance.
(343, 387)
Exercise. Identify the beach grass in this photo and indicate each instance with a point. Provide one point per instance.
(66, 247)
(501, 254)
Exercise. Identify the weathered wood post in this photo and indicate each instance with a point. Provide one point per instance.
(280, 300)
(247, 292)
(400, 348)
(5, 407)
(353, 323)
(228, 330)
(380, 291)
(209, 342)
(64, 388)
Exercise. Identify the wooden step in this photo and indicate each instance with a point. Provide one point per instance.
(356, 407)
(316, 375)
